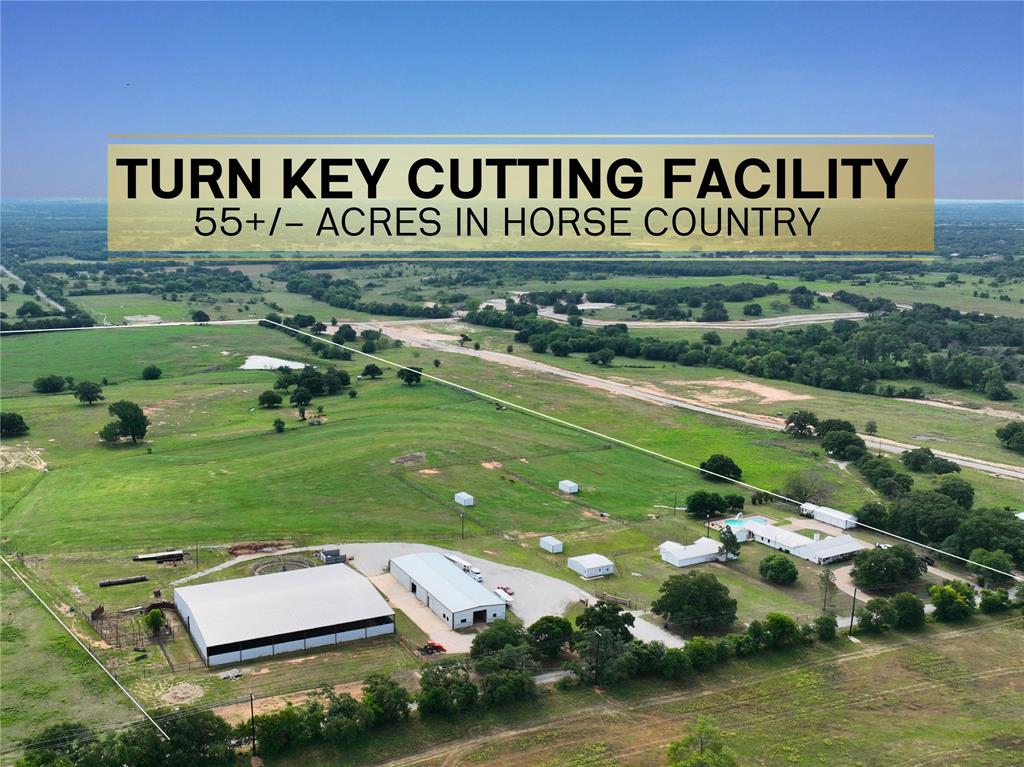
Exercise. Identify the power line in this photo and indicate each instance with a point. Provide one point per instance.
(616, 440)
(82, 644)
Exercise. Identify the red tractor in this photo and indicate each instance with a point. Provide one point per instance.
(432, 647)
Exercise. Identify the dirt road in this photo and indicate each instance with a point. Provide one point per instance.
(420, 336)
(763, 323)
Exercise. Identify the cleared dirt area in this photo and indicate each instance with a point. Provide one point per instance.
(236, 713)
(21, 456)
(718, 390)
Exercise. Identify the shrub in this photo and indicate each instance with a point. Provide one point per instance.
(909, 611)
(825, 628)
(12, 425)
(778, 568)
(151, 373)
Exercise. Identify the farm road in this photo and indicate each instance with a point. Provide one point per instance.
(417, 335)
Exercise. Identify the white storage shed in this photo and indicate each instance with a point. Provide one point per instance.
(700, 551)
(551, 544)
(591, 565)
(828, 515)
(568, 486)
(447, 590)
(244, 618)
(464, 499)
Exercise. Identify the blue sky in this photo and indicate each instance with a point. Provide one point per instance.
(74, 72)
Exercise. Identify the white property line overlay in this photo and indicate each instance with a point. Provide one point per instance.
(82, 644)
(529, 411)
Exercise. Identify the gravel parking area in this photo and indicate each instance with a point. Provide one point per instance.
(536, 595)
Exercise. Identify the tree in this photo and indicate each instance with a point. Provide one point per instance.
(753, 310)
(12, 425)
(51, 384)
(844, 445)
(550, 634)
(278, 425)
(801, 423)
(694, 601)
(200, 316)
(510, 349)
(705, 747)
(606, 615)
(994, 601)
(711, 338)
(1011, 436)
(721, 465)
(30, 309)
(345, 718)
(372, 372)
(269, 399)
(496, 636)
(703, 504)
(871, 428)
(729, 542)
(506, 686)
(828, 589)
(155, 621)
(151, 373)
(411, 376)
(301, 399)
(778, 568)
(782, 630)
(876, 616)
(88, 392)
(997, 560)
(960, 490)
(953, 601)
(825, 628)
(885, 568)
(603, 656)
(909, 611)
(386, 699)
(437, 363)
(111, 432)
(132, 422)
(445, 688)
(873, 514)
(602, 357)
(918, 459)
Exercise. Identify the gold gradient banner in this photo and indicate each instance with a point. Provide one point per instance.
(626, 198)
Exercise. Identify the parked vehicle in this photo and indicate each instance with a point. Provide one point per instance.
(431, 648)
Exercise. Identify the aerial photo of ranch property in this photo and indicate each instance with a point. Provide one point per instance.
(706, 509)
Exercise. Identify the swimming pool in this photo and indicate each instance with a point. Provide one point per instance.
(740, 522)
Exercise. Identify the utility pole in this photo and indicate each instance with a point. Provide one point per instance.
(462, 519)
(597, 658)
(709, 525)
(252, 721)
(197, 554)
(675, 503)
(853, 610)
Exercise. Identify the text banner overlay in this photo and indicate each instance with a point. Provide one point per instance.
(379, 198)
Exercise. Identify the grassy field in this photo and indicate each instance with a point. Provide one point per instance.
(944, 696)
(968, 429)
(212, 471)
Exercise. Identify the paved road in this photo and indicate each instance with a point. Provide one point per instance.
(763, 323)
(39, 294)
(415, 336)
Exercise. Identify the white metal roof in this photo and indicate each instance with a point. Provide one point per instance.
(702, 547)
(592, 560)
(279, 603)
(829, 511)
(446, 582)
(834, 546)
(550, 539)
(785, 538)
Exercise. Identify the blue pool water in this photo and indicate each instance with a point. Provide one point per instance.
(741, 522)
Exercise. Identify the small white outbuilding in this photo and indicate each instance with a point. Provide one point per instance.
(568, 486)
(464, 499)
(551, 544)
(591, 565)
(700, 551)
